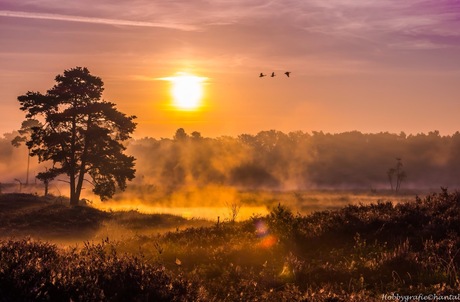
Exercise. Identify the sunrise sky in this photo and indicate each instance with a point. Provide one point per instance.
(363, 65)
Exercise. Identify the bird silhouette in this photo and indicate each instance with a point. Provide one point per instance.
(273, 74)
(262, 75)
(287, 73)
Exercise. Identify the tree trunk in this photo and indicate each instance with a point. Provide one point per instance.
(73, 193)
(28, 167)
(82, 171)
(74, 197)
(46, 187)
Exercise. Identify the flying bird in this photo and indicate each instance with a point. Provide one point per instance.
(273, 74)
(287, 73)
(262, 75)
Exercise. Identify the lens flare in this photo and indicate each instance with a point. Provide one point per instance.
(267, 240)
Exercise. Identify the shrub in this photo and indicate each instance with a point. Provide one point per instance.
(36, 271)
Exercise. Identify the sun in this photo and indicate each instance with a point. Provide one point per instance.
(187, 91)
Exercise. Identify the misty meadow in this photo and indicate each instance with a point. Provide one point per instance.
(278, 161)
(229, 150)
(280, 217)
(271, 217)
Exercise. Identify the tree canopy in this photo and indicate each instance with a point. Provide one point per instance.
(80, 134)
(300, 160)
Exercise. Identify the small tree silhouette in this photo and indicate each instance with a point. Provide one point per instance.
(399, 173)
(25, 134)
(180, 135)
(46, 177)
(234, 209)
(20, 184)
(391, 172)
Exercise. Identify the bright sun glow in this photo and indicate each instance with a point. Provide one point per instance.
(187, 91)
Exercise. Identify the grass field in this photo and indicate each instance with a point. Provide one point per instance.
(358, 247)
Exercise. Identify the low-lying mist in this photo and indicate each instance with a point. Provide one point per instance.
(194, 176)
(221, 203)
(298, 161)
(208, 202)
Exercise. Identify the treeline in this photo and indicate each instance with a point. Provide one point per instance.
(299, 160)
(277, 160)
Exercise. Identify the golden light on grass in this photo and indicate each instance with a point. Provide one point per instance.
(186, 91)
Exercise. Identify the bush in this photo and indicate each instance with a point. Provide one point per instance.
(36, 271)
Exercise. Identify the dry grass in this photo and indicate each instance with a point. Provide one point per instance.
(355, 253)
(23, 215)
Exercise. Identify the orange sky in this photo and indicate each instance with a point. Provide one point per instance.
(359, 65)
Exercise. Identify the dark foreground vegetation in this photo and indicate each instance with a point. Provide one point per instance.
(357, 253)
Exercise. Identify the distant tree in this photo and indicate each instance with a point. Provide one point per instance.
(234, 209)
(25, 133)
(20, 184)
(81, 134)
(46, 177)
(180, 135)
(390, 173)
(399, 173)
(196, 135)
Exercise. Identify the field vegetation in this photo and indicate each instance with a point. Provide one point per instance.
(358, 252)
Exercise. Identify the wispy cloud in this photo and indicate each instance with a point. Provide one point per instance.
(419, 45)
(104, 21)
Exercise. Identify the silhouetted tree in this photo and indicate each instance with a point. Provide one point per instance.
(234, 209)
(196, 135)
(20, 184)
(391, 172)
(81, 134)
(46, 177)
(25, 133)
(400, 174)
(180, 135)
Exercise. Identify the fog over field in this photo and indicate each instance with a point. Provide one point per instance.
(190, 170)
(228, 151)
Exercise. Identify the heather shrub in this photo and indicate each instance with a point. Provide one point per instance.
(356, 253)
(36, 271)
